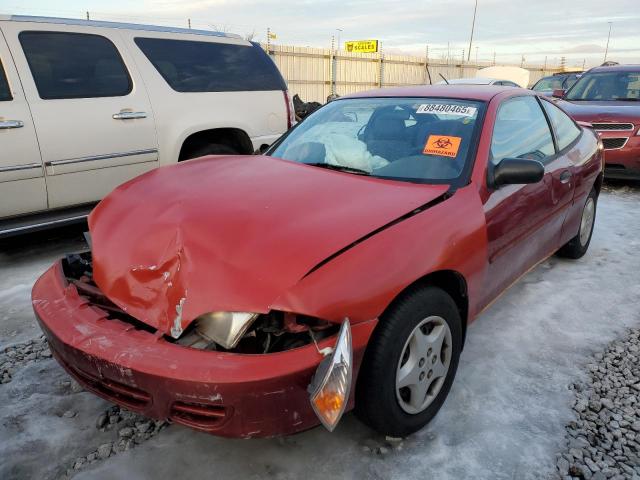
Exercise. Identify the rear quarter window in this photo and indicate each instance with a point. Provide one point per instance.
(5, 92)
(193, 66)
(566, 129)
(74, 65)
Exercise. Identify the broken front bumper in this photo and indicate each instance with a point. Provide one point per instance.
(225, 394)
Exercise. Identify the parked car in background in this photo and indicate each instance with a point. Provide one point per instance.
(609, 99)
(546, 85)
(479, 81)
(86, 106)
(260, 296)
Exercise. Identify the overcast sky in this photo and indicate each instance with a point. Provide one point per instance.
(576, 29)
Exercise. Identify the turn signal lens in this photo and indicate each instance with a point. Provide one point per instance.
(331, 383)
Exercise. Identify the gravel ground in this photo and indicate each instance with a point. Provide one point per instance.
(604, 440)
(528, 360)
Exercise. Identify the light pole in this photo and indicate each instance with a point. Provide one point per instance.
(606, 50)
(473, 24)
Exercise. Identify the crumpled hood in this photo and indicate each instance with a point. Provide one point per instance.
(231, 233)
(602, 111)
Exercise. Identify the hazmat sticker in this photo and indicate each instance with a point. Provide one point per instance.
(447, 109)
(443, 145)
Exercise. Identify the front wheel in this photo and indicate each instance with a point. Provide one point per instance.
(410, 363)
(578, 245)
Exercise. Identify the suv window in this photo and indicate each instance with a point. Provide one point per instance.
(191, 66)
(5, 92)
(521, 131)
(566, 130)
(75, 65)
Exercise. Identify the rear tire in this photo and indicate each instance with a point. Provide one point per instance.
(404, 378)
(210, 149)
(578, 245)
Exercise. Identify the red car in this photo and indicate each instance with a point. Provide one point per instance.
(609, 98)
(259, 296)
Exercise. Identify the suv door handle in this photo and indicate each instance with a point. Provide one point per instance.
(5, 124)
(129, 115)
(565, 176)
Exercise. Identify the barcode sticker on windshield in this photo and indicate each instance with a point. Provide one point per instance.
(447, 109)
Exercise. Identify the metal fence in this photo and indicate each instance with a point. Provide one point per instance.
(315, 73)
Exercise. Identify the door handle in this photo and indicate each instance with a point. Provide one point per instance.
(565, 176)
(6, 124)
(129, 115)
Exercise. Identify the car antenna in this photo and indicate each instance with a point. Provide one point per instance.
(443, 77)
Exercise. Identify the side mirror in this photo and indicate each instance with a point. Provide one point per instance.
(515, 171)
(559, 92)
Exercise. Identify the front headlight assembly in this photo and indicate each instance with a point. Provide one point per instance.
(225, 328)
(331, 384)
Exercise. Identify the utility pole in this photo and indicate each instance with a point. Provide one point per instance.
(545, 62)
(606, 50)
(189, 22)
(339, 30)
(494, 57)
(473, 24)
(87, 14)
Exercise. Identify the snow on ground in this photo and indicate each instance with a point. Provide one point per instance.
(504, 418)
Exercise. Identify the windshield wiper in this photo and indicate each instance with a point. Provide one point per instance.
(340, 168)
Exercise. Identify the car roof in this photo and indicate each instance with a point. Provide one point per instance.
(463, 92)
(616, 68)
(472, 81)
(124, 26)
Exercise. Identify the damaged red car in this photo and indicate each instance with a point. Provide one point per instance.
(264, 295)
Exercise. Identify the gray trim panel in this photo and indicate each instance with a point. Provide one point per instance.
(15, 168)
(53, 163)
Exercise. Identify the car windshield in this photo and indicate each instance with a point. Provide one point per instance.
(548, 83)
(413, 139)
(606, 86)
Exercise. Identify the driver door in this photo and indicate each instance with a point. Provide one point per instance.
(519, 233)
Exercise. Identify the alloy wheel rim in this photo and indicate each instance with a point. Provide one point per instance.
(586, 224)
(423, 365)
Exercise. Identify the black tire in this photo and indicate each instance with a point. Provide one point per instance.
(210, 149)
(377, 404)
(577, 247)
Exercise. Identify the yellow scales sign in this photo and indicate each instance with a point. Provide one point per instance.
(361, 46)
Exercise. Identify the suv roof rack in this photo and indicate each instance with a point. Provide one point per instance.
(124, 26)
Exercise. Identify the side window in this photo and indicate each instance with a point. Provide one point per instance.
(5, 92)
(75, 65)
(566, 130)
(189, 66)
(521, 131)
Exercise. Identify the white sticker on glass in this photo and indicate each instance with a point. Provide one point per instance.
(447, 109)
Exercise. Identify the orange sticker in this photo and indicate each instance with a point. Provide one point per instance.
(442, 145)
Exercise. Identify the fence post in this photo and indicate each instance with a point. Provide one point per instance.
(334, 66)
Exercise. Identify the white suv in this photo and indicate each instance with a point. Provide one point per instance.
(85, 106)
